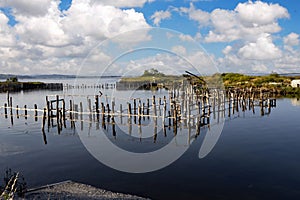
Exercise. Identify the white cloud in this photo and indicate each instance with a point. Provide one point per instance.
(247, 22)
(7, 38)
(262, 49)
(227, 50)
(169, 35)
(260, 68)
(249, 29)
(186, 38)
(291, 40)
(123, 3)
(33, 7)
(160, 15)
(178, 49)
(100, 21)
(45, 40)
(197, 62)
(259, 13)
(198, 15)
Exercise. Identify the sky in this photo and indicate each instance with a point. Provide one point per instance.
(125, 37)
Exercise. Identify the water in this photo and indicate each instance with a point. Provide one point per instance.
(256, 157)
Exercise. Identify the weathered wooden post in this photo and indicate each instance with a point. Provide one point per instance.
(48, 106)
(11, 106)
(143, 109)
(71, 113)
(76, 111)
(8, 98)
(102, 109)
(199, 108)
(114, 133)
(121, 110)
(108, 109)
(165, 107)
(44, 118)
(129, 109)
(113, 106)
(155, 129)
(169, 116)
(17, 111)
(89, 105)
(5, 110)
(81, 109)
(134, 106)
(64, 111)
(81, 115)
(174, 114)
(25, 108)
(97, 104)
(154, 107)
(139, 114)
(35, 112)
(57, 107)
(148, 106)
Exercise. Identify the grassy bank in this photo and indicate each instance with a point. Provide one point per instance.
(13, 85)
(273, 81)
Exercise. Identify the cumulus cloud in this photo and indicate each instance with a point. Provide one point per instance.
(186, 38)
(123, 3)
(33, 7)
(259, 13)
(291, 40)
(260, 68)
(198, 15)
(248, 28)
(160, 15)
(47, 39)
(178, 49)
(6, 36)
(227, 50)
(262, 49)
(197, 62)
(248, 21)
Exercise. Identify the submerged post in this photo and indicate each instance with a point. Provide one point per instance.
(97, 103)
(129, 109)
(11, 105)
(57, 107)
(35, 112)
(64, 110)
(25, 108)
(17, 111)
(5, 110)
(48, 106)
(44, 118)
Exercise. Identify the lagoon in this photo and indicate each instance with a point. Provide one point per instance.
(255, 157)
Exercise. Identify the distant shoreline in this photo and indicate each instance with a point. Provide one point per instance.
(18, 86)
(51, 76)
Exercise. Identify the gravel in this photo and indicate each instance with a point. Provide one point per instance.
(72, 190)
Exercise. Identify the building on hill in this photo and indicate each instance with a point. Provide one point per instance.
(295, 83)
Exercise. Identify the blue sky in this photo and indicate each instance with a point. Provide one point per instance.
(238, 36)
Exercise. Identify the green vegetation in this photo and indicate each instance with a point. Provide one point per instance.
(153, 72)
(13, 79)
(13, 85)
(153, 76)
(273, 81)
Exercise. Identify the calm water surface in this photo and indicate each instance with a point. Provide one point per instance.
(256, 157)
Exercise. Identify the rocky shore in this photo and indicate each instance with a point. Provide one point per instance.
(71, 190)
